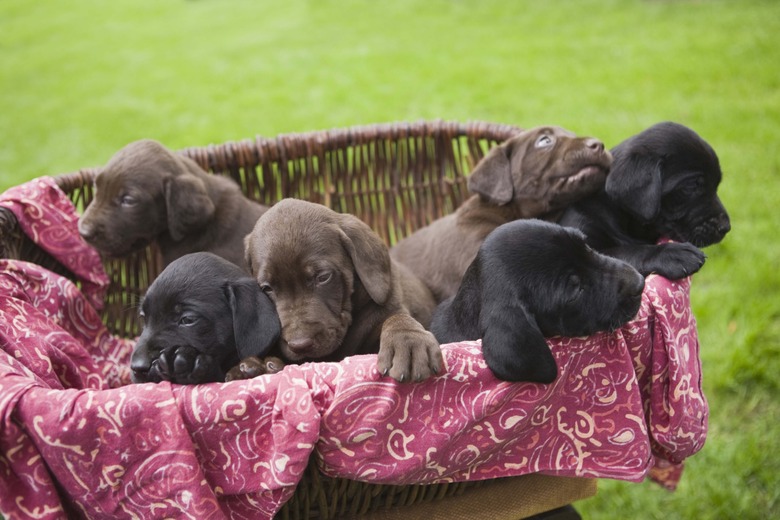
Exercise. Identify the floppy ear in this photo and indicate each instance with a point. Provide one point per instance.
(513, 346)
(256, 325)
(369, 256)
(187, 203)
(492, 177)
(634, 183)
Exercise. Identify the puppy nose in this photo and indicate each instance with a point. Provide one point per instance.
(140, 365)
(300, 344)
(86, 231)
(594, 144)
(724, 224)
(632, 285)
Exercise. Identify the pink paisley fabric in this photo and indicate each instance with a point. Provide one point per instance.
(47, 216)
(77, 440)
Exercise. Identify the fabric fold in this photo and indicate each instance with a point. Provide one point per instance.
(47, 216)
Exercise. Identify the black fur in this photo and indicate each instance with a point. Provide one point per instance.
(663, 183)
(530, 280)
(201, 316)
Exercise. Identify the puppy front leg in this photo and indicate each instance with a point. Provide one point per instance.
(673, 260)
(408, 352)
(186, 366)
(253, 366)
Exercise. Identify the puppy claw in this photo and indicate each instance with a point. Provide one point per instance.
(200, 370)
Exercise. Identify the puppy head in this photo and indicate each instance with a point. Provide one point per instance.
(667, 177)
(205, 308)
(144, 191)
(590, 292)
(541, 170)
(539, 280)
(310, 260)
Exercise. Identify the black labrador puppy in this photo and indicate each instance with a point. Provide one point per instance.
(202, 316)
(663, 183)
(532, 279)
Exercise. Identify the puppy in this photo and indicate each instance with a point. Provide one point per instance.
(338, 293)
(533, 279)
(147, 193)
(663, 183)
(534, 174)
(202, 315)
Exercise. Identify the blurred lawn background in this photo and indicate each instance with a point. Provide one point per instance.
(81, 79)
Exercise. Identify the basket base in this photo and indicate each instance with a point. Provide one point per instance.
(501, 499)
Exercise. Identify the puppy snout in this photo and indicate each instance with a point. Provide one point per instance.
(632, 284)
(86, 230)
(140, 366)
(300, 345)
(723, 224)
(594, 144)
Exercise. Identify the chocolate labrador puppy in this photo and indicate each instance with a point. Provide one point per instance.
(534, 174)
(147, 193)
(533, 279)
(338, 293)
(202, 316)
(663, 183)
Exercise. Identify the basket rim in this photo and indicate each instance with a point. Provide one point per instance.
(326, 140)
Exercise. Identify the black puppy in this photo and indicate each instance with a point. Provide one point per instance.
(533, 279)
(202, 315)
(663, 183)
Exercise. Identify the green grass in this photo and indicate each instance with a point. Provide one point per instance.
(80, 79)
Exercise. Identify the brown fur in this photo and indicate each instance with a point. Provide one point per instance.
(254, 366)
(147, 193)
(534, 174)
(338, 293)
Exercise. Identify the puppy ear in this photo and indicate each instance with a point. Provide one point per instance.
(492, 177)
(256, 325)
(188, 205)
(369, 256)
(634, 183)
(513, 346)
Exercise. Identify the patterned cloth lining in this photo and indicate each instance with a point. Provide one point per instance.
(77, 438)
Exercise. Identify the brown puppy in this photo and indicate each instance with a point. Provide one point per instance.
(338, 293)
(146, 193)
(534, 174)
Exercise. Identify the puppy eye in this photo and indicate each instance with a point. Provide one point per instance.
(266, 288)
(694, 185)
(323, 278)
(544, 141)
(187, 320)
(574, 287)
(127, 200)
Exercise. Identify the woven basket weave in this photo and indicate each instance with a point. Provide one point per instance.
(396, 177)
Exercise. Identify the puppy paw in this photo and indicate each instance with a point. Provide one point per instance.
(408, 352)
(185, 365)
(254, 366)
(677, 260)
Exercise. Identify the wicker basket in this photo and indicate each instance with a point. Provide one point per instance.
(396, 177)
